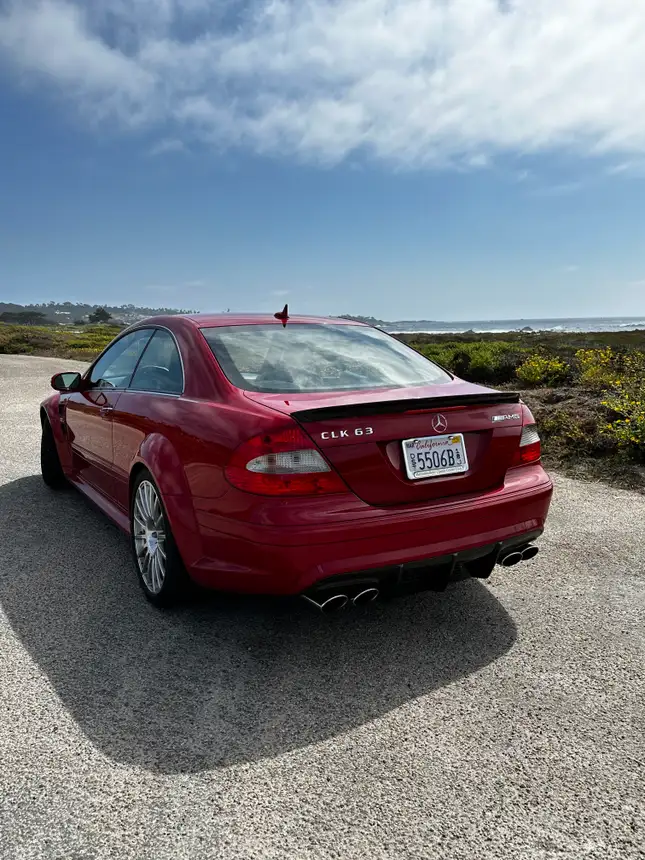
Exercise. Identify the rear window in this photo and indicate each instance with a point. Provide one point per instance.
(313, 357)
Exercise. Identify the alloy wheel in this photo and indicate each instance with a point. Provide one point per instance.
(149, 532)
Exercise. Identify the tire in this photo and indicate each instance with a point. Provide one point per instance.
(160, 570)
(50, 467)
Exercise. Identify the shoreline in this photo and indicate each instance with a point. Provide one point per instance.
(528, 330)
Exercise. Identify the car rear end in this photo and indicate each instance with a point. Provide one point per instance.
(355, 485)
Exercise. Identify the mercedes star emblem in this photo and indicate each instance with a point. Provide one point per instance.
(439, 424)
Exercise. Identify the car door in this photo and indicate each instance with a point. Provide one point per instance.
(89, 411)
(149, 405)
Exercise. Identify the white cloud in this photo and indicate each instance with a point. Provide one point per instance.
(169, 144)
(478, 160)
(559, 189)
(413, 82)
(633, 167)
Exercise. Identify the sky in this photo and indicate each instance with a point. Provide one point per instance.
(428, 159)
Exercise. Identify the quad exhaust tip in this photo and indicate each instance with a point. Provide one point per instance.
(337, 602)
(332, 604)
(511, 559)
(368, 595)
(515, 557)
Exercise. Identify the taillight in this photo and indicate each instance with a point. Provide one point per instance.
(529, 450)
(286, 463)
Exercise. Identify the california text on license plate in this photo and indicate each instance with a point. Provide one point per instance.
(433, 456)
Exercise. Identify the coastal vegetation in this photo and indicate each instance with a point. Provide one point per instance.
(586, 390)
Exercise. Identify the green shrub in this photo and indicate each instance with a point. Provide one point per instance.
(539, 370)
(596, 368)
(563, 425)
(55, 340)
(480, 361)
(626, 404)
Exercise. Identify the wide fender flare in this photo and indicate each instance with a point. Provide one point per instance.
(50, 412)
(158, 455)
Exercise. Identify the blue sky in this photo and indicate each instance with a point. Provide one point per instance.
(399, 159)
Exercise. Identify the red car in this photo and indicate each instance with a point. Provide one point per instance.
(297, 455)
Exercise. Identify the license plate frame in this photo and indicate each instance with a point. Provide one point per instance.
(412, 448)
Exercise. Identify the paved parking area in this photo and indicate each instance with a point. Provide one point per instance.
(499, 720)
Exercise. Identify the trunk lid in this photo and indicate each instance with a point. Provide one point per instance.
(361, 434)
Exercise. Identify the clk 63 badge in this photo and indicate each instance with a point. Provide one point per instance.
(346, 434)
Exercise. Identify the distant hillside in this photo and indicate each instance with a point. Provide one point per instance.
(397, 325)
(78, 312)
(70, 312)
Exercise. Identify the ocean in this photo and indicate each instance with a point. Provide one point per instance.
(572, 324)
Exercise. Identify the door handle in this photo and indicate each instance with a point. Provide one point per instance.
(106, 410)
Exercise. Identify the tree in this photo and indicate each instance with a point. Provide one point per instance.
(100, 315)
(24, 318)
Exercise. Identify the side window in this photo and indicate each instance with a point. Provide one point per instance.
(115, 367)
(160, 368)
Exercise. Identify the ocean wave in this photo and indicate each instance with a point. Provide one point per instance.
(571, 326)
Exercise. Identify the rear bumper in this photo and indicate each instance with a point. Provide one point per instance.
(432, 574)
(291, 560)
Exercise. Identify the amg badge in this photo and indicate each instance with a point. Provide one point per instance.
(514, 416)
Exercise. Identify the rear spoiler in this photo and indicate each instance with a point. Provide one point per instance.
(381, 407)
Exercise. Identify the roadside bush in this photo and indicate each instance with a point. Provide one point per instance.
(571, 424)
(491, 362)
(543, 370)
(563, 425)
(626, 403)
(596, 368)
(55, 340)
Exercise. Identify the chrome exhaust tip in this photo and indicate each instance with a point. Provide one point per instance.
(511, 559)
(368, 595)
(332, 604)
(530, 552)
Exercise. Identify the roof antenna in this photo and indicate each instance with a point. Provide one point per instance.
(283, 315)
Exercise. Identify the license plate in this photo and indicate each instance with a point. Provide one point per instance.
(433, 456)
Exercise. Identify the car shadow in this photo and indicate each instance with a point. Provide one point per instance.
(224, 679)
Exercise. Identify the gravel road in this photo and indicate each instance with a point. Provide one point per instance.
(504, 720)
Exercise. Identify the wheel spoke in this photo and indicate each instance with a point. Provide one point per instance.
(145, 566)
(158, 572)
(139, 506)
(153, 574)
(146, 498)
(139, 522)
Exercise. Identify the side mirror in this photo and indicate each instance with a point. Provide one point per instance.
(66, 381)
